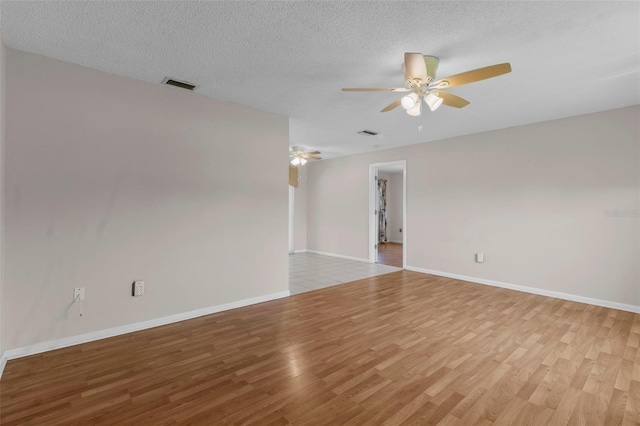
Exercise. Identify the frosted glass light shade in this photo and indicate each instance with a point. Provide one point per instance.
(298, 161)
(409, 101)
(433, 101)
(415, 111)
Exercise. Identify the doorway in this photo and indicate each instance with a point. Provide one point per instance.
(387, 213)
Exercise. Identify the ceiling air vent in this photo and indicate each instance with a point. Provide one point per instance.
(368, 133)
(178, 83)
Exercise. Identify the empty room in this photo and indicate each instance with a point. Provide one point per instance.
(319, 213)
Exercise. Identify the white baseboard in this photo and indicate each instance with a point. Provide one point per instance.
(300, 251)
(397, 242)
(340, 256)
(3, 362)
(129, 328)
(532, 290)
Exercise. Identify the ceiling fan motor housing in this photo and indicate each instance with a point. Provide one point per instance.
(431, 63)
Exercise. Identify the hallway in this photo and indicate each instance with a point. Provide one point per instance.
(390, 254)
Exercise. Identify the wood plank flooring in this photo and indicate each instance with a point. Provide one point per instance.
(390, 254)
(402, 348)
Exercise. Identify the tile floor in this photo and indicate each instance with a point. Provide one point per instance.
(308, 271)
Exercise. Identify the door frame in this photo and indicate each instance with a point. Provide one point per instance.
(373, 222)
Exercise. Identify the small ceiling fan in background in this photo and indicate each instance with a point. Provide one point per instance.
(299, 156)
(420, 80)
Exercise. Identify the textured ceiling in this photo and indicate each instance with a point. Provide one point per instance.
(292, 58)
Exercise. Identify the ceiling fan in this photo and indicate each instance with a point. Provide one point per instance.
(420, 80)
(299, 156)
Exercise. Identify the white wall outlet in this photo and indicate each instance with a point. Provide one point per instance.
(78, 294)
(480, 257)
(137, 289)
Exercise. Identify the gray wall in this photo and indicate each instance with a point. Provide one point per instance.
(394, 205)
(396, 197)
(109, 180)
(3, 75)
(300, 212)
(532, 198)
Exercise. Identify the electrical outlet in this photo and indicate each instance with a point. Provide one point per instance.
(137, 289)
(78, 294)
(480, 257)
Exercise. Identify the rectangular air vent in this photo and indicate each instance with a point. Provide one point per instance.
(368, 132)
(182, 84)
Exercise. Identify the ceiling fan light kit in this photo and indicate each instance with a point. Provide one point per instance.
(299, 156)
(420, 73)
(416, 110)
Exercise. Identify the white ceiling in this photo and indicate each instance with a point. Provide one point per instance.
(292, 58)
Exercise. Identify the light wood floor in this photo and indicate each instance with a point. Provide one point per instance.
(402, 348)
(390, 254)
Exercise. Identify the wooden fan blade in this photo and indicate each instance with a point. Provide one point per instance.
(474, 75)
(314, 157)
(451, 100)
(414, 66)
(314, 152)
(392, 105)
(374, 89)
